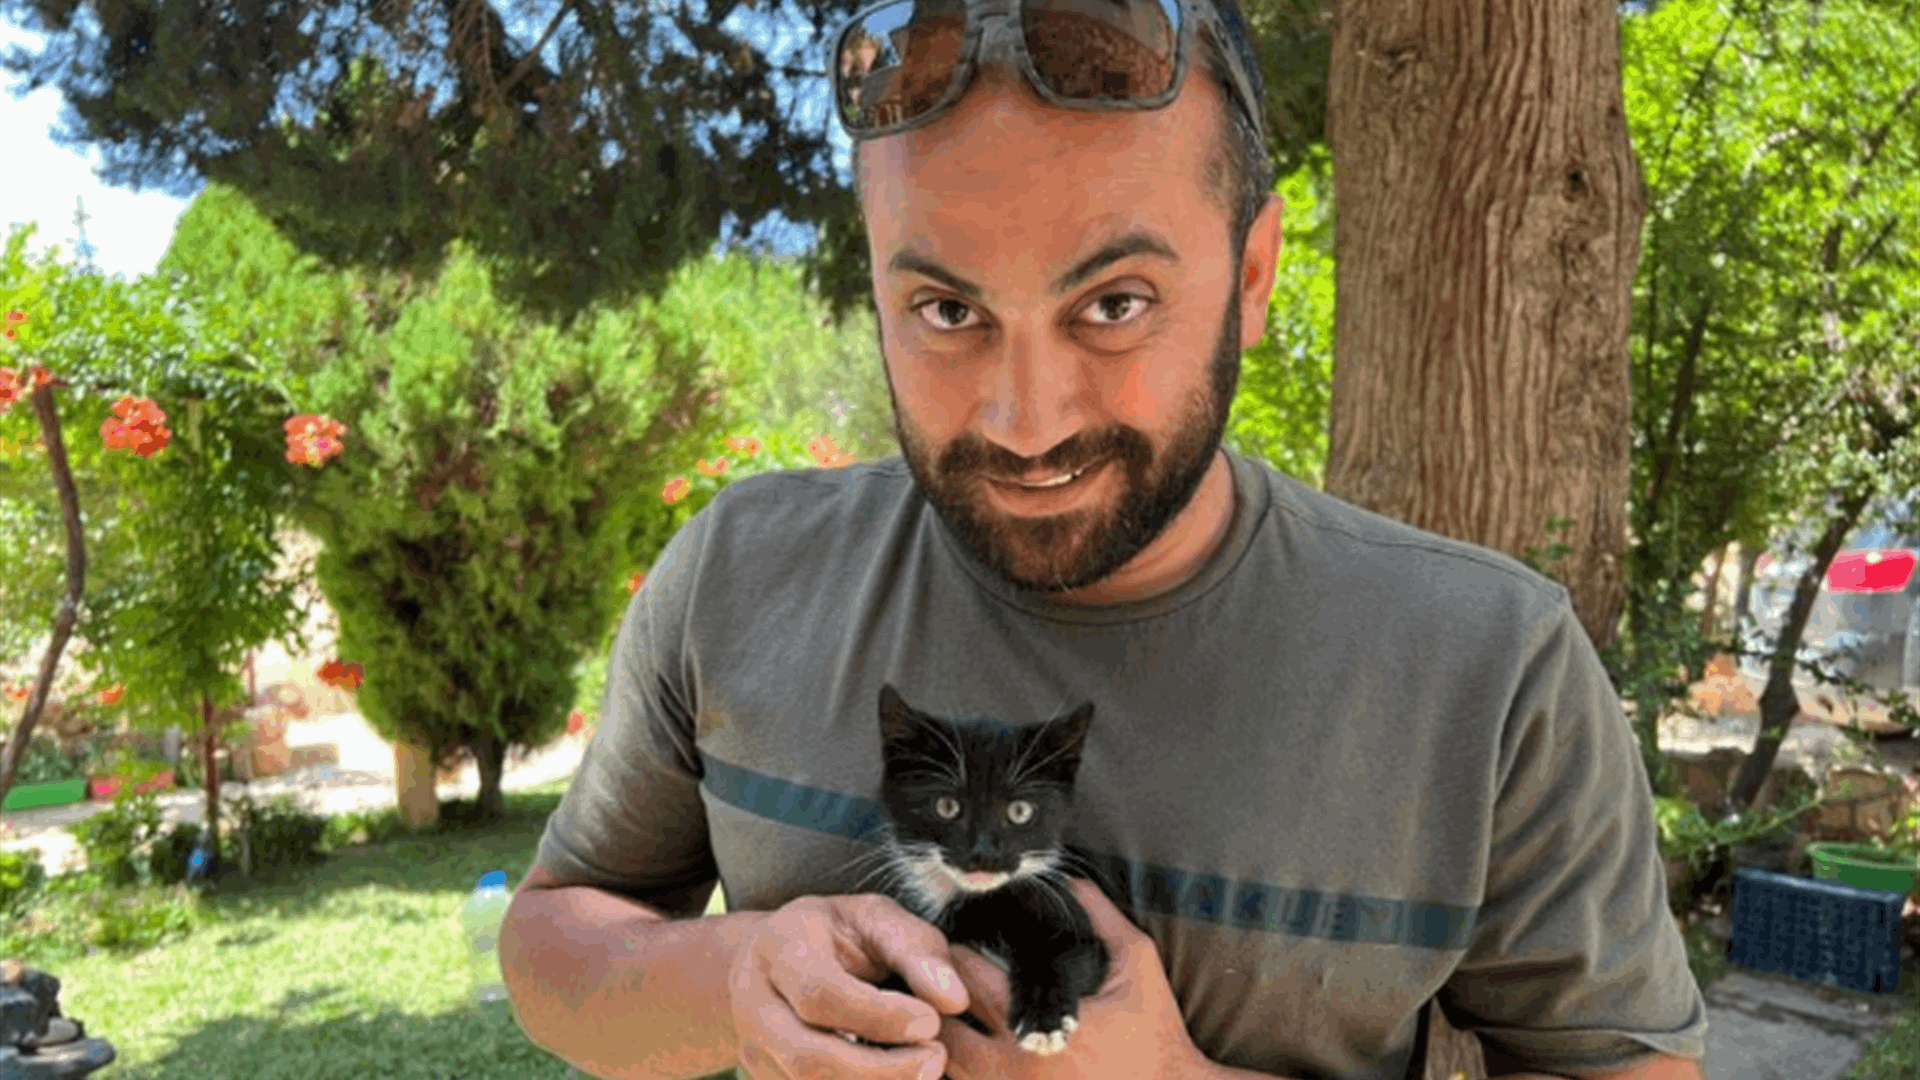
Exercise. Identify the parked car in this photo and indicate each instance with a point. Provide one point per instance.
(1865, 623)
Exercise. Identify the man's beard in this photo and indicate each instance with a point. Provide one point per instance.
(1070, 551)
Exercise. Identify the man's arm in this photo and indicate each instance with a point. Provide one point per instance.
(616, 988)
(1664, 1067)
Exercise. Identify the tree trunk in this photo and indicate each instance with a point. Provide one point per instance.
(489, 756)
(69, 610)
(210, 782)
(1779, 704)
(1489, 227)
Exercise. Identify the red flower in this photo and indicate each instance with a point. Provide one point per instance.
(10, 389)
(676, 489)
(344, 676)
(19, 693)
(575, 721)
(741, 445)
(111, 695)
(633, 583)
(312, 439)
(719, 466)
(141, 427)
(41, 376)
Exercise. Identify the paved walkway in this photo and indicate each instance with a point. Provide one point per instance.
(361, 780)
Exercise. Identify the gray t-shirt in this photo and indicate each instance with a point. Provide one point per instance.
(1348, 765)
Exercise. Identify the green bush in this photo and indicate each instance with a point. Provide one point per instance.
(171, 852)
(1686, 833)
(280, 835)
(116, 840)
(361, 827)
(21, 880)
(45, 763)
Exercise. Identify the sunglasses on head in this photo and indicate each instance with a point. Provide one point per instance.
(897, 65)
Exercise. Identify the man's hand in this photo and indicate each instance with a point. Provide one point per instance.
(1131, 1028)
(807, 973)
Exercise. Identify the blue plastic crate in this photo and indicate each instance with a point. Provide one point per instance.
(1818, 930)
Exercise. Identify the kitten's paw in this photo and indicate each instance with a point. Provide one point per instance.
(1044, 1043)
(1044, 1038)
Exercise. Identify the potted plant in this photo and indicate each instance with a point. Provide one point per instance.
(123, 769)
(47, 776)
(1893, 865)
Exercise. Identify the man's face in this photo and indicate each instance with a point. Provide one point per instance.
(1126, 370)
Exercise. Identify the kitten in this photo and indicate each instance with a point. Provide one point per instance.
(975, 815)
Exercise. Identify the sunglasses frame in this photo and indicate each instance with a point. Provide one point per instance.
(1009, 41)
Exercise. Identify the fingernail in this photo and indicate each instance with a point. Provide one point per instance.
(943, 976)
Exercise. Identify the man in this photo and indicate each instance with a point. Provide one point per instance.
(1338, 765)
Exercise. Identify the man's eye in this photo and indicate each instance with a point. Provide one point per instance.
(944, 306)
(1118, 308)
(1131, 303)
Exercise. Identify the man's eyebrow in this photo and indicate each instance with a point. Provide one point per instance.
(1124, 246)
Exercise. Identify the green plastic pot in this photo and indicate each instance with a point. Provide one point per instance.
(1864, 866)
(50, 793)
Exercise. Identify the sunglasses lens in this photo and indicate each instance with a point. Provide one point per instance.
(1094, 49)
(896, 63)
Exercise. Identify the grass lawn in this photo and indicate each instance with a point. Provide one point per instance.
(351, 969)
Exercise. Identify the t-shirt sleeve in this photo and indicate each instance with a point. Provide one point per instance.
(632, 822)
(1575, 965)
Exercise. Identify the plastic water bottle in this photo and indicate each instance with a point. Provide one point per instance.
(481, 916)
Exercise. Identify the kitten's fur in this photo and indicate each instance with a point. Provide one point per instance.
(963, 797)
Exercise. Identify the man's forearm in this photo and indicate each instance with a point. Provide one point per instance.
(597, 980)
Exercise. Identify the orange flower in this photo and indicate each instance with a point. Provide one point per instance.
(677, 488)
(10, 390)
(741, 445)
(312, 439)
(719, 466)
(826, 453)
(14, 318)
(575, 721)
(19, 693)
(111, 695)
(344, 676)
(633, 583)
(141, 427)
(41, 376)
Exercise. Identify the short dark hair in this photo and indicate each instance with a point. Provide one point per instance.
(1236, 174)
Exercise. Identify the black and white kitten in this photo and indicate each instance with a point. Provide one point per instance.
(974, 847)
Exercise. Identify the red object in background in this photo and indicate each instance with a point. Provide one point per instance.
(1870, 571)
(344, 676)
(106, 787)
(575, 721)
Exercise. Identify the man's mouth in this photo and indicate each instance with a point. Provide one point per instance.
(1061, 480)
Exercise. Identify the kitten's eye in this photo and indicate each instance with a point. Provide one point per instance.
(1020, 811)
(947, 807)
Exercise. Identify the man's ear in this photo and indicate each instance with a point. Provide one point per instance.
(1257, 271)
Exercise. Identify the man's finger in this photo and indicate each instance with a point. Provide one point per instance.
(825, 996)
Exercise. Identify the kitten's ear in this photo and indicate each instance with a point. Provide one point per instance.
(1059, 742)
(897, 718)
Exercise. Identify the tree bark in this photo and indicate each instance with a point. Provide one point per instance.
(1489, 227)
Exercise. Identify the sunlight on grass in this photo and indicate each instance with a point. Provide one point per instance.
(355, 968)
